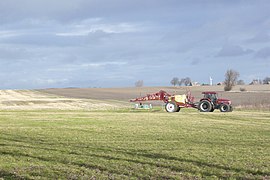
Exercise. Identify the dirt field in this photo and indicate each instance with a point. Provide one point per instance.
(114, 98)
(34, 100)
(256, 96)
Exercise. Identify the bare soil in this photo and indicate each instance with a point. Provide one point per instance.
(31, 100)
(257, 97)
(254, 96)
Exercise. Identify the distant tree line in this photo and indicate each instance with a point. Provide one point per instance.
(183, 81)
(231, 79)
(266, 80)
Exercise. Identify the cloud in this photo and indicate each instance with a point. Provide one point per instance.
(195, 61)
(52, 33)
(8, 34)
(14, 10)
(233, 50)
(109, 43)
(97, 26)
(259, 38)
(86, 66)
(263, 53)
(8, 53)
(45, 82)
(73, 10)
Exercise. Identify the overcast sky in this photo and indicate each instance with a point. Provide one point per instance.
(113, 43)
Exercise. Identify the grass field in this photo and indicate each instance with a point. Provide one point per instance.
(130, 145)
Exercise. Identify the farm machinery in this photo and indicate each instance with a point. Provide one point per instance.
(173, 103)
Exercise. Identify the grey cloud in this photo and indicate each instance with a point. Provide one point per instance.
(70, 10)
(73, 10)
(233, 50)
(195, 61)
(259, 38)
(51, 33)
(10, 53)
(44, 39)
(14, 10)
(263, 53)
(86, 66)
(55, 40)
(70, 42)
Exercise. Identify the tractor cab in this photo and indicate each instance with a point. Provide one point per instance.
(212, 96)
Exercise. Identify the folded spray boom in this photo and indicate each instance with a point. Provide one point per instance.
(159, 96)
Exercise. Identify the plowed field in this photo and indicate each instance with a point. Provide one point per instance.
(34, 100)
(254, 96)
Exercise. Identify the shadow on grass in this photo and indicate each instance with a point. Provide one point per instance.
(102, 169)
(135, 156)
(155, 156)
(8, 176)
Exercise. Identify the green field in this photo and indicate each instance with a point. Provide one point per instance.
(134, 145)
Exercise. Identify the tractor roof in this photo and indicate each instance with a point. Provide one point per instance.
(209, 92)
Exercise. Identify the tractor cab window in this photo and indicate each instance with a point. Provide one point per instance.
(213, 97)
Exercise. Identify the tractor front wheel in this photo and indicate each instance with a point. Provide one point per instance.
(172, 107)
(224, 108)
(205, 106)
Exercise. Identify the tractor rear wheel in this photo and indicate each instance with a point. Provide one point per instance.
(205, 106)
(224, 108)
(231, 108)
(171, 107)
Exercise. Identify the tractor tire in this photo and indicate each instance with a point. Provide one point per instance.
(224, 108)
(231, 109)
(171, 107)
(178, 109)
(205, 106)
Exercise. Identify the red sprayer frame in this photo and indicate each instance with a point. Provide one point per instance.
(159, 96)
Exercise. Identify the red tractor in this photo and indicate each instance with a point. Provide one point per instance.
(210, 102)
(173, 103)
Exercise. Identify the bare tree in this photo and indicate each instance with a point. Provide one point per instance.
(139, 83)
(181, 82)
(266, 80)
(231, 77)
(256, 82)
(175, 81)
(240, 82)
(187, 81)
(184, 81)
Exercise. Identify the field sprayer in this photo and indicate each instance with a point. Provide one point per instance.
(173, 103)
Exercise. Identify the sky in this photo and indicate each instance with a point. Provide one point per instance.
(114, 43)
